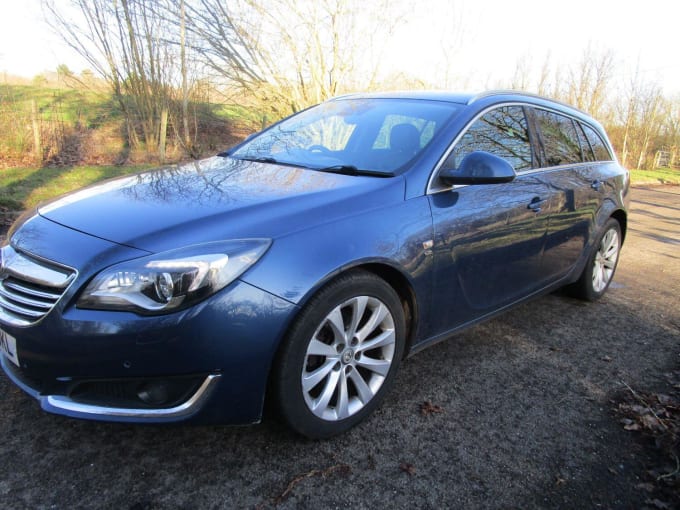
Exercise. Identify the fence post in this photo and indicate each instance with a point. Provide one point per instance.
(35, 121)
(163, 133)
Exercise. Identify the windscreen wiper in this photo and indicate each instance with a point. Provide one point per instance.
(259, 159)
(351, 170)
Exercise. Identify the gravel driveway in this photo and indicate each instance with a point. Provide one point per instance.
(519, 415)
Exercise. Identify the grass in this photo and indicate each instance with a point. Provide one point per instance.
(657, 176)
(88, 107)
(23, 188)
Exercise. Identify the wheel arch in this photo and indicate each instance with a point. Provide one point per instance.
(621, 216)
(394, 277)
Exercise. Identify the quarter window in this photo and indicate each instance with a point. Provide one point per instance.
(599, 147)
(560, 141)
(502, 132)
(586, 149)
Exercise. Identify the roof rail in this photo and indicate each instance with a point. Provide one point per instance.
(501, 92)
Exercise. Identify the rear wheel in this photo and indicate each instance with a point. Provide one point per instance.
(600, 268)
(340, 356)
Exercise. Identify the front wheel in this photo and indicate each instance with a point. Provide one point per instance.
(601, 265)
(340, 356)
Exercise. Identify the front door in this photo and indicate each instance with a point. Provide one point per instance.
(489, 239)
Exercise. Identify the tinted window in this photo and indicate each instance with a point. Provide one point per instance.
(599, 147)
(586, 149)
(502, 132)
(559, 138)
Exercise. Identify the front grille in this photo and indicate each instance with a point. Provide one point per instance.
(29, 287)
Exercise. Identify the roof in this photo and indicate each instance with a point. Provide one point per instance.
(464, 98)
(432, 95)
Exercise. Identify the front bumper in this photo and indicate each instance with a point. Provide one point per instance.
(65, 405)
(217, 355)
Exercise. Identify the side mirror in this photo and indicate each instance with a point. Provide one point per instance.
(479, 167)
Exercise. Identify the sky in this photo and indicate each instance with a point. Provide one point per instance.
(487, 38)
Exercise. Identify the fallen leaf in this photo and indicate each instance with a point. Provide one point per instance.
(407, 468)
(650, 422)
(632, 426)
(427, 408)
(606, 358)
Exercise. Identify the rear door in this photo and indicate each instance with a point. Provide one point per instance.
(574, 194)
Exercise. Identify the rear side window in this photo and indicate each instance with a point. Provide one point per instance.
(559, 138)
(502, 132)
(599, 148)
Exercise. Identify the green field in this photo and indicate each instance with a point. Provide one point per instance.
(658, 176)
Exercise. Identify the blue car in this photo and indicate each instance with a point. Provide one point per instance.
(301, 266)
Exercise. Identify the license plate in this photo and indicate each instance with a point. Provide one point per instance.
(8, 346)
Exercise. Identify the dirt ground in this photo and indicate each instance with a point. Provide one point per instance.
(522, 415)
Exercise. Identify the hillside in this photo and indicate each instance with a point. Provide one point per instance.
(47, 126)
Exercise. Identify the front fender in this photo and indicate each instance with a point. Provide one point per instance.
(297, 265)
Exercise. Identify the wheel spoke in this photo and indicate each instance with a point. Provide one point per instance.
(358, 309)
(611, 253)
(609, 241)
(337, 325)
(379, 366)
(342, 408)
(385, 338)
(318, 348)
(609, 263)
(311, 379)
(363, 390)
(596, 276)
(321, 404)
(378, 314)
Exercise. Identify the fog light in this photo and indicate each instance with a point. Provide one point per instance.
(153, 393)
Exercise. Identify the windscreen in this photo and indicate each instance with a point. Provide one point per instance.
(376, 135)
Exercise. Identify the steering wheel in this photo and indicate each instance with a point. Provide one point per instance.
(319, 148)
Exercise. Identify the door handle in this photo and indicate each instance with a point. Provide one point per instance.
(596, 184)
(535, 204)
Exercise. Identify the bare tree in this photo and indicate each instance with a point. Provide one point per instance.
(128, 43)
(289, 54)
(589, 81)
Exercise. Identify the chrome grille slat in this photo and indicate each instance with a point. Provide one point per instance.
(22, 300)
(19, 310)
(29, 287)
(52, 296)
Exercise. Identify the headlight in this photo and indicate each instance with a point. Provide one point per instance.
(171, 280)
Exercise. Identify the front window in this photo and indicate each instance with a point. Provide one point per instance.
(377, 135)
(503, 132)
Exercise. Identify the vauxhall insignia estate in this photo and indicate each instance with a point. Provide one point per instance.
(301, 266)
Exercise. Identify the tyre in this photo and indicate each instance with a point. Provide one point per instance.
(601, 265)
(340, 356)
